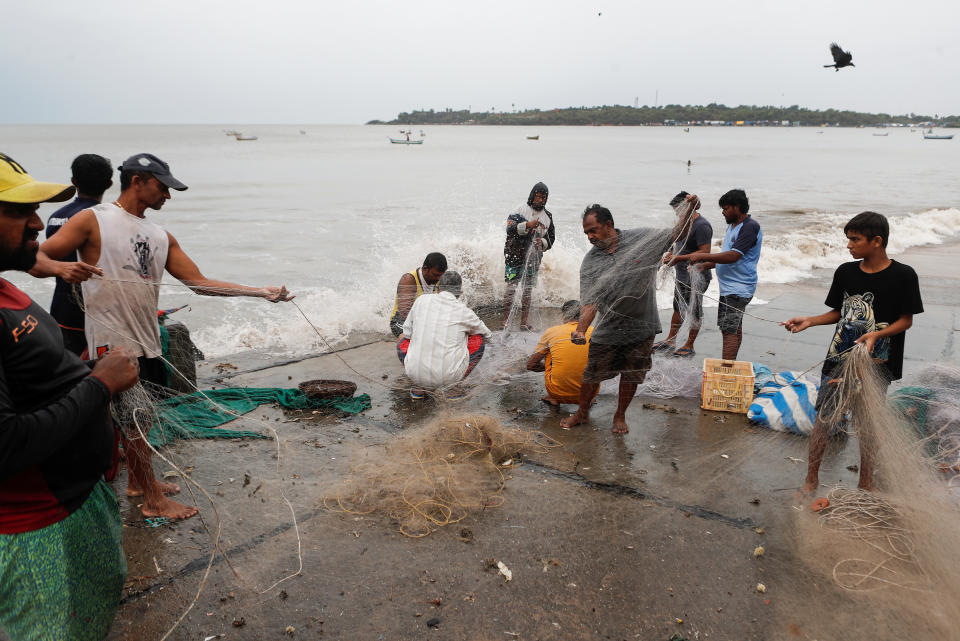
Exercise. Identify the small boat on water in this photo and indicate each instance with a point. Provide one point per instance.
(883, 134)
(395, 141)
(537, 137)
(242, 137)
(938, 136)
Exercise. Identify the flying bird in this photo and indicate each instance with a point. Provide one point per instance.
(841, 58)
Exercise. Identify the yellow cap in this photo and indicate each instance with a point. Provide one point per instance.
(16, 185)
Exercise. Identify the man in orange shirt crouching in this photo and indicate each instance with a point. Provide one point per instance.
(560, 360)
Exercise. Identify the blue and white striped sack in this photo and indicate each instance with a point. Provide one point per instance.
(786, 404)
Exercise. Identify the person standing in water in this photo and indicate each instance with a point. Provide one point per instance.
(530, 232)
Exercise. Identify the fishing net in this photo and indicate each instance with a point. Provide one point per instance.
(904, 534)
(436, 474)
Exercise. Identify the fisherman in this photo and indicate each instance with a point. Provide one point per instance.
(561, 360)
(61, 545)
(122, 306)
(442, 340)
(618, 289)
(736, 265)
(530, 232)
(91, 175)
(687, 289)
(872, 301)
(413, 285)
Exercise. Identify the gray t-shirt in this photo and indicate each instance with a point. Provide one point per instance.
(701, 233)
(623, 286)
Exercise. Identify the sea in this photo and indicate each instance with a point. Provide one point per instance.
(337, 213)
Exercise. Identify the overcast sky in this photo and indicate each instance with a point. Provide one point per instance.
(317, 61)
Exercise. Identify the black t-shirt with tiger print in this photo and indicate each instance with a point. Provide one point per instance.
(871, 302)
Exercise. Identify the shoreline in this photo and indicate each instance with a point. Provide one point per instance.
(941, 293)
(679, 503)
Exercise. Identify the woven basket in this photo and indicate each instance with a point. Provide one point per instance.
(326, 389)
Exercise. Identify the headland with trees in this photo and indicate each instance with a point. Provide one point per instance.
(672, 115)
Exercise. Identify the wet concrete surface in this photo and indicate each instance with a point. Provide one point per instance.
(608, 537)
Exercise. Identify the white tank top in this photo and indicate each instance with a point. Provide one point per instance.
(134, 251)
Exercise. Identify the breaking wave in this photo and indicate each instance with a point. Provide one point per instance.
(357, 303)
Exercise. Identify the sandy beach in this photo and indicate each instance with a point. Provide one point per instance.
(607, 537)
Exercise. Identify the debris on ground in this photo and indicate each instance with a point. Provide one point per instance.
(504, 570)
(755, 500)
(853, 468)
(239, 623)
(758, 552)
(466, 535)
(761, 588)
(794, 459)
(759, 530)
(432, 623)
(290, 630)
(663, 408)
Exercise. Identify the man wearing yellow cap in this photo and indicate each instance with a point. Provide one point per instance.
(62, 566)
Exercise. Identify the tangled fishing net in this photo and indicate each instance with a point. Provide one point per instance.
(437, 474)
(932, 407)
(906, 530)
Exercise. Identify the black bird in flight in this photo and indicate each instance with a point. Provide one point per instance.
(841, 58)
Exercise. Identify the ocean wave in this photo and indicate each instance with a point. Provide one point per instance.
(791, 256)
(364, 301)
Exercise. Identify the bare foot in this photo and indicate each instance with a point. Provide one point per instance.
(575, 419)
(170, 509)
(166, 488)
(620, 425)
(547, 399)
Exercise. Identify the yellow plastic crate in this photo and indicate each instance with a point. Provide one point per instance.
(727, 385)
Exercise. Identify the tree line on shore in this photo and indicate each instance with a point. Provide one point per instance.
(712, 114)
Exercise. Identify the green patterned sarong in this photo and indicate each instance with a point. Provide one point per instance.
(63, 582)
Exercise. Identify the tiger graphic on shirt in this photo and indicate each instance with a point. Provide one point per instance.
(856, 319)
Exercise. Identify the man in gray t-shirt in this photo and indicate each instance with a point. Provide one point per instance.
(618, 292)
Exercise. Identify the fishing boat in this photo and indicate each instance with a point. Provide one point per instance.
(929, 135)
(395, 141)
(537, 137)
(242, 137)
(883, 134)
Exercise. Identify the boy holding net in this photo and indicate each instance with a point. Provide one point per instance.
(872, 301)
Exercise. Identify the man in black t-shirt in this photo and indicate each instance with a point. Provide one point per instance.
(872, 301)
(91, 175)
(691, 281)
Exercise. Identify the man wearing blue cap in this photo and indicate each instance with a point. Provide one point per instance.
(121, 307)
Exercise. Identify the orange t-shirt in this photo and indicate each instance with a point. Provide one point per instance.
(565, 360)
